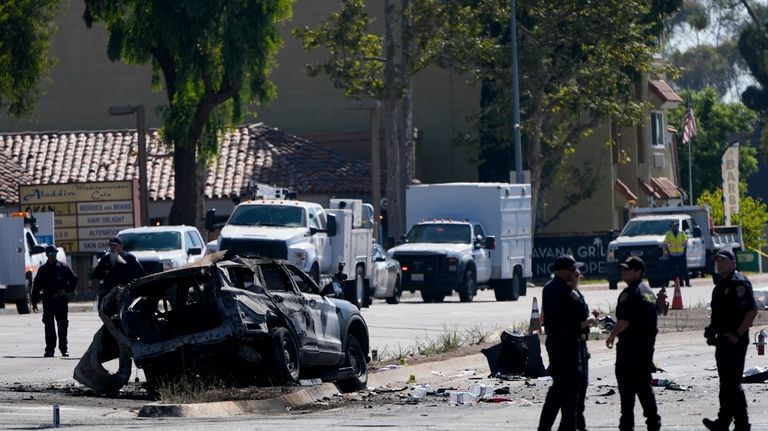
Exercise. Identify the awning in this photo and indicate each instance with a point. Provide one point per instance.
(665, 187)
(669, 98)
(647, 188)
(624, 190)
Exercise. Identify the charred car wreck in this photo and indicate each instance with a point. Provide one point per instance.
(250, 318)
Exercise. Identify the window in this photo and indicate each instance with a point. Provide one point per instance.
(275, 279)
(479, 232)
(657, 129)
(194, 240)
(313, 219)
(301, 280)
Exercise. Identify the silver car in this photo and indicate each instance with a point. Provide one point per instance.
(385, 276)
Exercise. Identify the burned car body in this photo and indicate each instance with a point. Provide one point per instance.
(224, 313)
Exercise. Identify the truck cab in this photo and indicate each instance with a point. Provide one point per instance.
(440, 256)
(296, 231)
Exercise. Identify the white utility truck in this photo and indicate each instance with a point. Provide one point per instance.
(315, 239)
(644, 233)
(462, 235)
(21, 256)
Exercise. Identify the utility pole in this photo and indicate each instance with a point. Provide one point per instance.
(141, 131)
(518, 152)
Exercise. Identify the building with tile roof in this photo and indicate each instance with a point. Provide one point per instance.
(249, 155)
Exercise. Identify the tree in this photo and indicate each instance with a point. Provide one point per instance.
(579, 68)
(718, 124)
(363, 63)
(752, 215)
(214, 59)
(26, 27)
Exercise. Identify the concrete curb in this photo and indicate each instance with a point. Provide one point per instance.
(423, 373)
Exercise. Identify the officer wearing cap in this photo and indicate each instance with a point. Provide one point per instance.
(116, 267)
(733, 310)
(53, 282)
(636, 313)
(566, 317)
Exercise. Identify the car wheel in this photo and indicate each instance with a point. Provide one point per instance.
(22, 304)
(467, 287)
(427, 296)
(284, 365)
(396, 294)
(355, 359)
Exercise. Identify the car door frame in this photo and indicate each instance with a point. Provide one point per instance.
(324, 316)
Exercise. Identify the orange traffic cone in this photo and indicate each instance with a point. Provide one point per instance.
(535, 325)
(677, 300)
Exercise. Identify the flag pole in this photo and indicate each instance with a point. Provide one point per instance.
(690, 156)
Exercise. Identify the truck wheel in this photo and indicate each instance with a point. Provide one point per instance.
(396, 294)
(468, 286)
(508, 289)
(613, 285)
(284, 357)
(22, 304)
(354, 358)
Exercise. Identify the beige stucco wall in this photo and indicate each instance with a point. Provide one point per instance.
(84, 83)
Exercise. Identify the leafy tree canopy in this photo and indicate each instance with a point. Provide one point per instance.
(213, 57)
(25, 29)
(752, 215)
(718, 124)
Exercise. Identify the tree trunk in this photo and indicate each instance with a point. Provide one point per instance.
(394, 188)
(535, 161)
(187, 205)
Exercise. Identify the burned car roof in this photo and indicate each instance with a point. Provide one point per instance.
(222, 310)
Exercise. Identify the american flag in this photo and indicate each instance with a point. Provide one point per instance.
(689, 128)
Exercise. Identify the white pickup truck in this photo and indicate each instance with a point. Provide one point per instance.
(462, 235)
(311, 237)
(159, 248)
(644, 233)
(21, 256)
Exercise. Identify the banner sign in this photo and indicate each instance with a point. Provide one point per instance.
(86, 215)
(589, 249)
(730, 173)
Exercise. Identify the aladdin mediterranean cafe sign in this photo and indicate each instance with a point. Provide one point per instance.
(86, 215)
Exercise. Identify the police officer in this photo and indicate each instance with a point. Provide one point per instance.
(566, 318)
(116, 267)
(54, 280)
(733, 310)
(636, 313)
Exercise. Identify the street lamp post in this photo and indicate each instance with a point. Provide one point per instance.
(141, 130)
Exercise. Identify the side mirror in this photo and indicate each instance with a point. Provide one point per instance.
(313, 230)
(37, 249)
(403, 238)
(194, 251)
(380, 259)
(332, 290)
(210, 216)
(696, 232)
(490, 242)
(332, 229)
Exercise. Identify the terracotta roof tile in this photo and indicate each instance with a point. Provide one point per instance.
(664, 91)
(665, 187)
(647, 188)
(248, 155)
(625, 191)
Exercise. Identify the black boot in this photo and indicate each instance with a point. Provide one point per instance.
(714, 425)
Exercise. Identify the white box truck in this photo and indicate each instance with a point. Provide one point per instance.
(21, 255)
(462, 235)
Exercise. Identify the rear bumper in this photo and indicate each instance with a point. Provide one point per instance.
(434, 282)
(13, 293)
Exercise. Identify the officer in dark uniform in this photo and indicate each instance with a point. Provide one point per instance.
(566, 317)
(636, 313)
(733, 310)
(54, 281)
(116, 267)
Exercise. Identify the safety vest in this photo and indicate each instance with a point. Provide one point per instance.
(676, 243)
